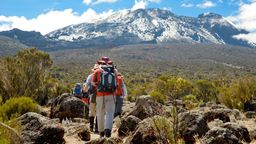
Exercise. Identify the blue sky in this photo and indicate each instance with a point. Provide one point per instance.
(48, 15)
(33, 8)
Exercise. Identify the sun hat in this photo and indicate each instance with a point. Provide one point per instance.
(106, 59)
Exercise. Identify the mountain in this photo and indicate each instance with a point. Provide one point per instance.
(9, 46)
(142, 26)
(29, 38)
(151, 26)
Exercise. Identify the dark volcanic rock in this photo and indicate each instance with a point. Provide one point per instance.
(146, 133)
(250, 114)
(128, 125)
(250, 105)
(221, 114)
(239, 131)
(219, 135)
(191, 124)
(67, 106)
(37, 129)
(146, 107)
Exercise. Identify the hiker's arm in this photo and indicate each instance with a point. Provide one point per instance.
(95, 78)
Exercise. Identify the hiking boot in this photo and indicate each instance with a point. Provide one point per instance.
(107, 132)
(102, 134)
(91, 119)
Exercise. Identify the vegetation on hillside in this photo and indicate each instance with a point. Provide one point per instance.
(27, 74)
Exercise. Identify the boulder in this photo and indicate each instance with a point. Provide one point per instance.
(250, 105)
(84, 134)
(39, 129)
(67, 106)
(220, 135)
(146, 133)
(221, 114)
(146, 107)
(253, 134)
(239, 131)
(250, 114)
(128, 125)
(74, 129)
(111, 140)
(191, 124)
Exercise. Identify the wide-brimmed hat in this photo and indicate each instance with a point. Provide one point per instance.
(104, 58)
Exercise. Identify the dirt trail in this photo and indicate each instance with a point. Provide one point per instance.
(74, 139)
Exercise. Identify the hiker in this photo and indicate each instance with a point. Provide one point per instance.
(105, 79)
(91, 90)
(77, 91)
(120, 92)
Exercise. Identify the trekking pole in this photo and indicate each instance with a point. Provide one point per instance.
(84, 111)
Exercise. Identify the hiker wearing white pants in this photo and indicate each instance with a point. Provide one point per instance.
(105, 80)
(105, 110)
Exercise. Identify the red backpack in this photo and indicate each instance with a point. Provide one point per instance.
(119, 91)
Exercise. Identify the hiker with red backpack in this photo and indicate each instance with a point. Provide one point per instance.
(120, 92)
(105, 79)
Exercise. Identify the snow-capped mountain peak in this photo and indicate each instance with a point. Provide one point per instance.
(154, 26)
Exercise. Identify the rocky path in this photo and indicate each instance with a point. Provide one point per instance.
(74, 139)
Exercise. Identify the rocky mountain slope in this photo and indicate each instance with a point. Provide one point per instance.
(9, 46)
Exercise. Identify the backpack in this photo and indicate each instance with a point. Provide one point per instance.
(119, 91)
(78, 90)
(107, 79)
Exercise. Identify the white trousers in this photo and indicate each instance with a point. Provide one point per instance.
(92, 109)
(105, 110)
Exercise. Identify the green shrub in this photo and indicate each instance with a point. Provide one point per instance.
(173, 87)
(238, 92)
(206, 90)
(15, 107)
(4, 141)
(9, 132)
(159, 97)
(191, 101)
(164, 129)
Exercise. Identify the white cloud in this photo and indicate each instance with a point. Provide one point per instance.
(142, 4)
(246, 19)
(187, 5)
(87, 2)
(95, 2)
(103, 1)
(251, 37)
(50, 21)
(206, 4)
(139, 4)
